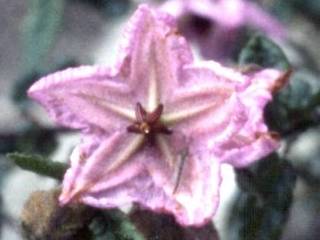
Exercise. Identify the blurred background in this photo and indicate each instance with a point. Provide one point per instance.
(42, 36)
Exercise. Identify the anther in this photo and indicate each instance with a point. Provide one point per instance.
(148, 122)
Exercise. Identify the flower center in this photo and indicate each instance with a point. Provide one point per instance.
(148, 123)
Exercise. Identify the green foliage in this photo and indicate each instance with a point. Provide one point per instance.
(263, 52)
(309, 8)
(261, 208)
(109, 8)
(39, 165)
(294, 106)
(4, 167)
(113, 225)
(39, 31)
(1, 217)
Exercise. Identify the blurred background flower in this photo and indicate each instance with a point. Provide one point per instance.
(219, 27)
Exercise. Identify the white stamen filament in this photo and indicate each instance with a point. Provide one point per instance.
(126, 153)
(176, 117)
(153, 91)
(99, 102)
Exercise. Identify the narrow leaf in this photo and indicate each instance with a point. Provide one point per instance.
(39, 165)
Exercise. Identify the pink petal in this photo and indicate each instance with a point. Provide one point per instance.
(85, 97)
(98, 166)
(192, 182)
(256, 97)
(225, 21)
(252, 141)
(216, 115)
(244, 151)
(153, 55)
(228, 13)
(207, 103)
(146, 179)
(175, 8)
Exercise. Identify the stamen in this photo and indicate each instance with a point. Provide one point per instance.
(141, 114)
(134, 128)
(145, 127)
(155, 115)
(148, 123)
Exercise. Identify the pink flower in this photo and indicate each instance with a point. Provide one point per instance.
(157, 126)
(216, 26)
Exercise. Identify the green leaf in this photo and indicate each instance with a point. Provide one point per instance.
(261, 208)
(39, 33)
(310, 8)
(40, 26)
(263, 52)
(114, 225)
(39, 165)
(294, 108)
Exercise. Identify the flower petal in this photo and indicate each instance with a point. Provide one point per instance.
(242, 151)
(84, 97)
(100, 168)
(147, 180)
(193, 182)
(153, 56)
(216, 25)
(228, 13)
(216, 115)
(207, 102)
(252, 141)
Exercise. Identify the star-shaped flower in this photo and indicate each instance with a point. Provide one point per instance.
(216, 26)
(157, 125)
